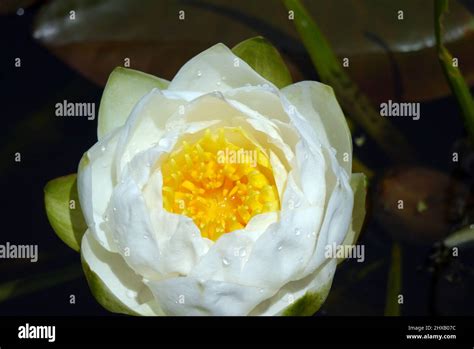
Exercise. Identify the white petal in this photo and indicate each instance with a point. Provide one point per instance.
(359, 188)
(279, 251)
(337, 218)
(317, 103)
(95, 184)
(311, 167)
(189, 296)
(154, 242)
(132, 229)
(119, 279)
(266, 127)
(216, 69)
(316, 284)
(227, 257)
(215, 108)
(145, 126)
(208, 107)
(260, 103)
(279, 173)
(272, 256)
(179, 239)
(263, 100)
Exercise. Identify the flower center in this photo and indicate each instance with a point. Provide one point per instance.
(221, 181)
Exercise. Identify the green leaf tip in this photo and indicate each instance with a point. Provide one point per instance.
(359, 185)
(102, 294)
(265, 59)
(124, 88)
(308, 304)
(64, 210)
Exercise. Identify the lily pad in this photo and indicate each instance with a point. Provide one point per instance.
(389, 58)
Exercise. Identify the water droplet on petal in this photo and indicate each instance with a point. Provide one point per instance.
(199, 73)
(102, 148)
(280, 248)
(225, 261)
(260, 290)
(164, 143)
(145, 237)
(131, 294)
(114, 209)
(297, 232)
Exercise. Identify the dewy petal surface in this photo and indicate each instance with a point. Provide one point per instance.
(117, 281)
(95, 184)
(318, 104)
(217, 68)
(315, 285)
(258, 269)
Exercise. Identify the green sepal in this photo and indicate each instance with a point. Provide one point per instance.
(265, 59)
(64, 210)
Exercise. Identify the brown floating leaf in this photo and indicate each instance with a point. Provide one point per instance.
(370, 32)
(95, 60)
(415, 204)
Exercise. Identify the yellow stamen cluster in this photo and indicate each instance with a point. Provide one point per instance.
(219, 189)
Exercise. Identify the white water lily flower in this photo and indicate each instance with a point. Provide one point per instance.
(217, 194)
